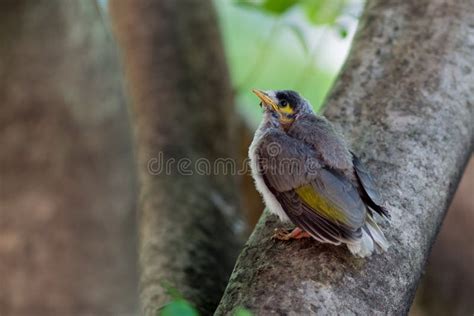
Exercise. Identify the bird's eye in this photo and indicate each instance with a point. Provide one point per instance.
(283, 103)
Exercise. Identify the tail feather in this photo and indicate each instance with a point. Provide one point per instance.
(377, 234)
(362, 247)
(372, 237)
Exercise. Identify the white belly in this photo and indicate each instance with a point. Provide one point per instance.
(269, 199)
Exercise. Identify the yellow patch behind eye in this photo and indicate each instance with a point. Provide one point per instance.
(286, 109)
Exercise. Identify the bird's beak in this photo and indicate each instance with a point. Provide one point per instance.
(266, 99)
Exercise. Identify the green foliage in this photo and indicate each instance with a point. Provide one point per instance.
(321, 12)
(181, 307)
(342, 30)
(178, 308)
(178, 305)
(318, 12)
(278, 6)
(277, 44)
(240, 311)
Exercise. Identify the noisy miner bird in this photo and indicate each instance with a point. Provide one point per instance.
(307, 174)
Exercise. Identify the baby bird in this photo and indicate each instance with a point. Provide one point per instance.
(307, 174)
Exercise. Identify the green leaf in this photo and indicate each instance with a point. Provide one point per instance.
(178, 308)
(278, 6)
(240, 311)
(321, 12)
(343, 32)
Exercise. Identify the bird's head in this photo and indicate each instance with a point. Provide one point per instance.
(285, 104)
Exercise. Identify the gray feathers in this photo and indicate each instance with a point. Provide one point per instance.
(369, 192)
(319, 133)
(286, 163)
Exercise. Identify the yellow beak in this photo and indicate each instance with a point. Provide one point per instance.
(265, 98)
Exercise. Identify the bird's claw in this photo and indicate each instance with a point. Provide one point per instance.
(281, 234)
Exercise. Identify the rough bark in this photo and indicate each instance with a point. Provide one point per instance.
(404, 101)
(182, 109)
(67, 241)
(448, 283)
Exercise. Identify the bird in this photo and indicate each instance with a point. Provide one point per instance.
(307, 175)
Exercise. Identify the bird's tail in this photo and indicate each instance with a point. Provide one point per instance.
(376, 234)
(372, 238)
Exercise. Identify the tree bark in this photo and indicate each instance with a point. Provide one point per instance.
(182, 109)
(448, 283)
(67, 239)
(404, 101)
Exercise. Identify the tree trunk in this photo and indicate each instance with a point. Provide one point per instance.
(404, 102)
(182, 111)
(67, 240)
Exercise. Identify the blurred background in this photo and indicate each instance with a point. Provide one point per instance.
(55, 163)
(286, 45)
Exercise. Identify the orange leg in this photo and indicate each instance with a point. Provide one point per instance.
(283, 234)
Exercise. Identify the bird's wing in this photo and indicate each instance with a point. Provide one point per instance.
(286, 162)
(325, 139)
(369, 191)
(321, 201)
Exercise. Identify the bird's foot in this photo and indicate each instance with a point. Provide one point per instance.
(283, 234)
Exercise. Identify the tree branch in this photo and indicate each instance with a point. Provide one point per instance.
(404, 101)
(182, 110)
